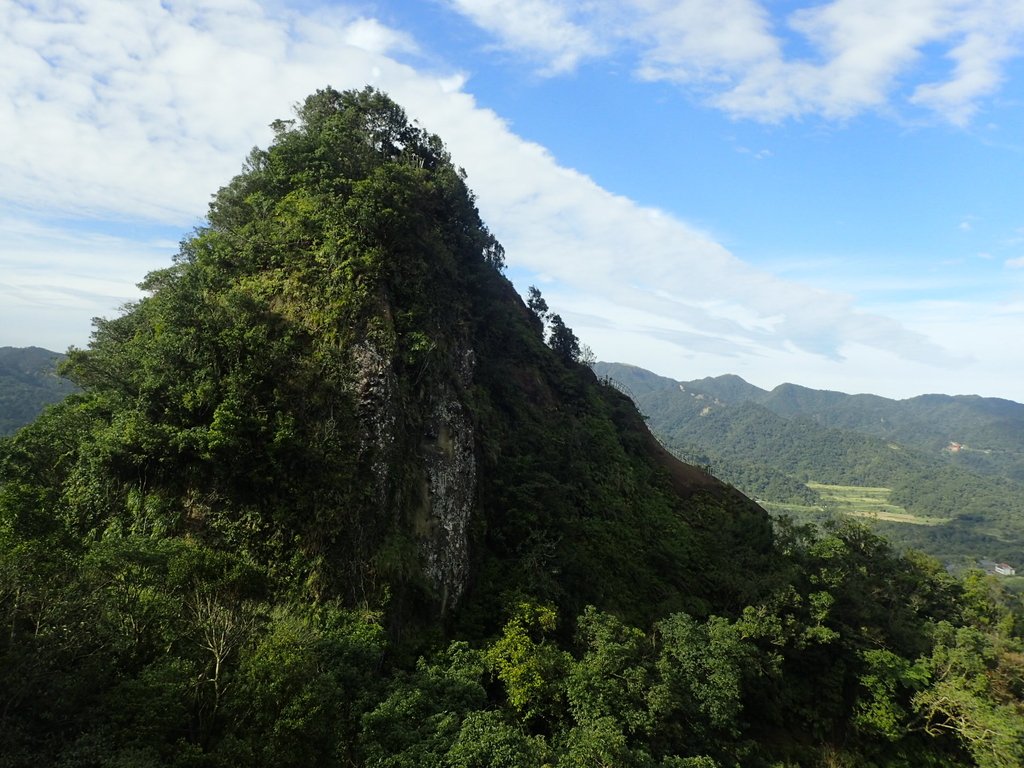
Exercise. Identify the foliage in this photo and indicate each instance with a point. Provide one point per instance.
(562, 340)
(535, 301)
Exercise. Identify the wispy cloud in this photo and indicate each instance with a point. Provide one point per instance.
(542, 29)
(836, 59)
(54, 279)
(143, 108)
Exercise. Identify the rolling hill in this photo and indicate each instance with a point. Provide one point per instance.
(950, 466)
(28, 383)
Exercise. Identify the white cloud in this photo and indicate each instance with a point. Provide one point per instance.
(372, 36)
(543, 29)
(835, 59)
(697, 41)
(990, 34)
(862, 51)
(144, 108)
(1017, 263)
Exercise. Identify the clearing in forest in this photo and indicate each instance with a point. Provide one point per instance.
(870, 502)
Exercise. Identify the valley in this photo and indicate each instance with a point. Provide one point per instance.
(814, 454)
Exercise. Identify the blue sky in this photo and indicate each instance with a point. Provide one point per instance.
(827, 193)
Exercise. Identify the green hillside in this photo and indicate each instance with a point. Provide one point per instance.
(28, 383)
(989, 432)
(775, 445)
(332, 495)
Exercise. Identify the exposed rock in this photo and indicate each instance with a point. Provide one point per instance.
(375, 387)
(451, 474)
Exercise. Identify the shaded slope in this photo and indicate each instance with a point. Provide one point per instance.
(573, 485)
(28, 383)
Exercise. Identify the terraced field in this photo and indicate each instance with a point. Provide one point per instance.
(871, 502)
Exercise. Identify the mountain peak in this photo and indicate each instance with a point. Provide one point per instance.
(336, 373)
(728, 388)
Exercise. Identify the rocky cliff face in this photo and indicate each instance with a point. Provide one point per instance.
(375, 394)
(449, 453)
(443, 458)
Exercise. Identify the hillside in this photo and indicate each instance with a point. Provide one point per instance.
(28, 383)
(331, 494)
(956, 504)
(988, 433)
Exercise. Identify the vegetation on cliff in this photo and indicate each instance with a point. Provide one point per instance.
(327, 498)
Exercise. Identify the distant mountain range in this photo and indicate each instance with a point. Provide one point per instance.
(28, 383)
(942, 473)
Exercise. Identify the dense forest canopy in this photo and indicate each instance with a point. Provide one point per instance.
(328, 498)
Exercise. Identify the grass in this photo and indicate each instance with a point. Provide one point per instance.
(870, 502)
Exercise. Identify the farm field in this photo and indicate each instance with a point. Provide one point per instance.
(870, 502)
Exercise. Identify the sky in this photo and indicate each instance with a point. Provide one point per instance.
(825, 193)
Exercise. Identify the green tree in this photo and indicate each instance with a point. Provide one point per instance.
(697, 698)
(562, 340)
(300, 690)
(612, 677)
(960, 702)
(487, 740)
(418, 722)
(530, 665)
(887, 681)
(539, 307)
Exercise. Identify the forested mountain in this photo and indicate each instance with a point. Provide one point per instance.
(988, 433)
(332, 495)
(28, 382)
(950, 465)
